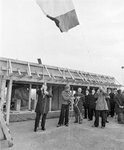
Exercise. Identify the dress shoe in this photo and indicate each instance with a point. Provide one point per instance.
(89, 119)
(66, 124)
(107, 121)
(59, 125)
(94, 126)
(43, 129)
(76, 122)
(35, 129)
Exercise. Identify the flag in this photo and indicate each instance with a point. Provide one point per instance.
(62, 12)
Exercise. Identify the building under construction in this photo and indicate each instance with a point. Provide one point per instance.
(19, 81)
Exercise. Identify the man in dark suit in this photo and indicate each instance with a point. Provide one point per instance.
(42, 107)
(92, 104)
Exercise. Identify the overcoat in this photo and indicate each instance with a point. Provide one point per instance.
(43, 102)
(119, 100)
(101, 103)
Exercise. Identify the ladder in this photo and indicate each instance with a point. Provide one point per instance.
(5, 130)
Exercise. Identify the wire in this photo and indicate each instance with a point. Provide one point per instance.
(87, 48)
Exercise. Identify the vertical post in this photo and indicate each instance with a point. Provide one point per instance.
(72, 102)
(9, 91)
(36, 97)
(50, 104)
(43, 74)
(2, 92)
(29, 100)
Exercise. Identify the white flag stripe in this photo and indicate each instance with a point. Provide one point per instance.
(55, 8)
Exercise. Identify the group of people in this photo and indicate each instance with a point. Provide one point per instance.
(100, 103)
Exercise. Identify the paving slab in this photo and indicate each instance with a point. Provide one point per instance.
(75, 137)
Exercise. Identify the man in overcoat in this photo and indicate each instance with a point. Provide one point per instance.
(119, 101)
(42, 107)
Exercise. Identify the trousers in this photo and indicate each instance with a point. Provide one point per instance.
(103, 115)
(37, 119)
(64, 114)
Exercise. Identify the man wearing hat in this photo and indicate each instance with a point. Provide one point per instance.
(66, 99)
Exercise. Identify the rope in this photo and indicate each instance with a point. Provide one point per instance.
(91, 59)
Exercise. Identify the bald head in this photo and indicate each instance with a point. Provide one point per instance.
(79, 90)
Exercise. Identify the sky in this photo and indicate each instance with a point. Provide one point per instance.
(96, 45)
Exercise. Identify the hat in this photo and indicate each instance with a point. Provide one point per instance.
(67, 87)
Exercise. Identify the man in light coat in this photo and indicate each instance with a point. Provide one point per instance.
(66, 99)
(101, 107)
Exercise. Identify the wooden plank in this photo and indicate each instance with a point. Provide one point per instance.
(36, 97)
(9, 91)
(10, 68)
(20, 74)
(50, 103)
(29, 71)
(71, 75)
(38, 76)
(80, 75)
(47, 71)
(61, 74)
(5, 130)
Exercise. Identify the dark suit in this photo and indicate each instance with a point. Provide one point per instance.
(92, 105)
(42, 107)
(112, 104)
(86, 107)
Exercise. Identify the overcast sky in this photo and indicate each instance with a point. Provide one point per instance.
(96, 45)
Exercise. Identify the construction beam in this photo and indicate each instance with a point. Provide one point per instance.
(47, 71)
(38, 76)
(83, 76)
(80, 76)
(2, 92)
(20, 74)
(50, 103)
(29, 71)
(5, 130)
(29, 99)
(62, 74)
(10, 72)
(8, 102)
(71, 75)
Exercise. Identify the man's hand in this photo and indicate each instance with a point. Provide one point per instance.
(45, 92)
(121, 106)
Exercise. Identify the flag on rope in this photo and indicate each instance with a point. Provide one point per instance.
(62, 12)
